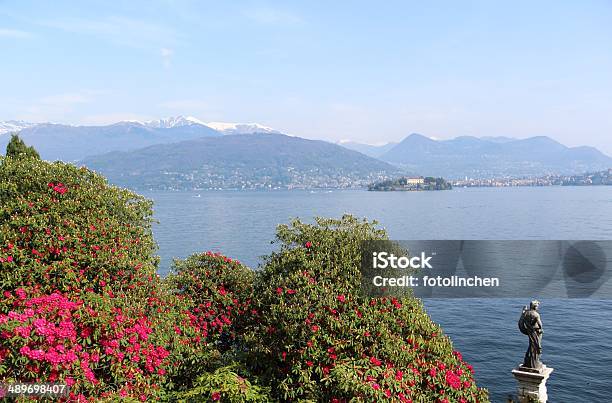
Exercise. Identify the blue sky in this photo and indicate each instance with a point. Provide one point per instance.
(368, 71)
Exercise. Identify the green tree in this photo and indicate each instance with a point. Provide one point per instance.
(16, 148)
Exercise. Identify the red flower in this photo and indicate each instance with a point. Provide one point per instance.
(290, 291)
(215, 396)
(453, 380)
(279, 291)
(341, 298)
(309, 363)
(375, 361)
(308, 244)
(315, 328)
(432, 372)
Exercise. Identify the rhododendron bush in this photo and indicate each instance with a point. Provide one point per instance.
(81, 301)
(216, 292)
(316, 337)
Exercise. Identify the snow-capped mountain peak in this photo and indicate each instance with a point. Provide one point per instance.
(174, 121)
(13, 126)
(240, 128)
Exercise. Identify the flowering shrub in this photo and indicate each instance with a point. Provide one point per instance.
(317, 338)
(217, 290)
(81, 302)
(217, 293)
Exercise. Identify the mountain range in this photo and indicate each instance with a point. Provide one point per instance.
(73, 143)
(253, 161)
(155, 144)
(493, 157)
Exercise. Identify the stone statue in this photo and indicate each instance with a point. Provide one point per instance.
(530, 324)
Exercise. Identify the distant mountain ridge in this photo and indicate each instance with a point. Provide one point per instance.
(72, 143)
(253, 161)
(493, 157)
(368, 149)
(12, 126)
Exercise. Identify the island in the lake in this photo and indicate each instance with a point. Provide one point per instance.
(411, 183)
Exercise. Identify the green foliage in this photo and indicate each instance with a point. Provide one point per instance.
(16, 148)
(224, 385)
(316, 337)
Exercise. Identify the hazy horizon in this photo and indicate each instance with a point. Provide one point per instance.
(361, 71)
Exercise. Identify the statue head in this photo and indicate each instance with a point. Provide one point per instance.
(534, 304)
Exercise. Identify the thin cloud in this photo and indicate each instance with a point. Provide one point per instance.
(67, 99)
(119, 30)
(55, 107)
(272, 16)
(185, 105)
(14, 33)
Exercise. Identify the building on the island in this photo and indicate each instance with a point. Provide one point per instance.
(415, 180)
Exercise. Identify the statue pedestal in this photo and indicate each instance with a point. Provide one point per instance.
(532, 383)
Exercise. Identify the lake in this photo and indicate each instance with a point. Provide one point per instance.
(577, 340)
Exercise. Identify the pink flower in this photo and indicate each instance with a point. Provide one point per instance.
(21, 294)
(341, 298)
(215, 396)
(23, 331)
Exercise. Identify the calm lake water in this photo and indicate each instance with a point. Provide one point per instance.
(578, 333)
